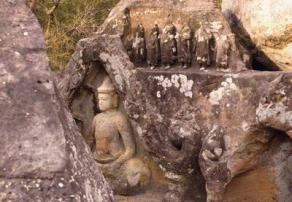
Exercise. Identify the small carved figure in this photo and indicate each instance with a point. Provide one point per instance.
(125, 31)
(169, 46)
(154, 49)
(223, 48)
(115, 146)
(213, 150)
(213, 164)
(126, 22)
(185, 47)
(202, 47)
(139, 45)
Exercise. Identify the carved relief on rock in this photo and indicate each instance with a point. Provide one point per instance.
(139, 45)
(202, 47)
(222, 46)
(154, 47)
(169, 45)
(186, 47)
(208, 47)
(175, 38)
(115, 145)
(213, 164)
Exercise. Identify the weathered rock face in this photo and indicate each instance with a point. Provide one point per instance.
(265, 28)
(43, 156)
(275, 106)
(184, 110)
(193, 122)
(270, 180)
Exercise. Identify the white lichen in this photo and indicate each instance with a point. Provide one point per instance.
(158, 94)
(117, 68)
(178, 81)
(119, 80)
(173, 176)
(162, 168)
(175, 80)
(226, 88)
(185, 132)
(245, 126)
(139, 130)
(17, 54)
(274, 111)
(60, 184)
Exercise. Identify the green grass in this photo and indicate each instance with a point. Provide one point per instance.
(218, 3)
(72, 21)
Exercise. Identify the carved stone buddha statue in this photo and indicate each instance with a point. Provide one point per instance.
(115, 145)
(185, 55)
(202, 37)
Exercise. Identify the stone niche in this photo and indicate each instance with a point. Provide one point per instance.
(207, 131)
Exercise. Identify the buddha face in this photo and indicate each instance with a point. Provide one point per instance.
(107, 101)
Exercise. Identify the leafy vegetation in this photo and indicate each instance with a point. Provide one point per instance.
(70, 21)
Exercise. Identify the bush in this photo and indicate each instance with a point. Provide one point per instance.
(71, 21)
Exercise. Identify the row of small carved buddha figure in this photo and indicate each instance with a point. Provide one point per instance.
(169, 47)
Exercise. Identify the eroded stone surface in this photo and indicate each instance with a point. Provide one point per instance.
(43, 156)
(265, 28)
(274, 109)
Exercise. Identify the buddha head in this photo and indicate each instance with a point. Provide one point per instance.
(186, 32)
(106, 95)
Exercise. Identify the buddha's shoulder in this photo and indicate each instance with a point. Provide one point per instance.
(120, 116)
(101, 116)
(113, 115)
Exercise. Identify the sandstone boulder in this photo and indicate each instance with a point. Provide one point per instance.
(265, 28)
(43, 155)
